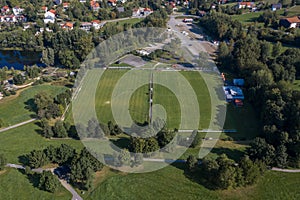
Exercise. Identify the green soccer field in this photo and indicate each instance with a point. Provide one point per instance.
(139, 101)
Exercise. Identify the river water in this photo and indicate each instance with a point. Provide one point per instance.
(17, 59)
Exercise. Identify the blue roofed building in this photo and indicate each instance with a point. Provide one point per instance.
(233, 93)
(238, 82)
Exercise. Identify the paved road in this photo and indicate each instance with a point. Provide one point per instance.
(17, 125)
(75, 195)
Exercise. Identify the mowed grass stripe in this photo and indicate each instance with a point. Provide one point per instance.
(168, 100)
(139, 104)
(103, 95)
(200, 88)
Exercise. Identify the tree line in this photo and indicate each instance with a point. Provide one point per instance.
(269, 71)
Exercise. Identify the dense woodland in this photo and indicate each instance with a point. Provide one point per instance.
(269, 70)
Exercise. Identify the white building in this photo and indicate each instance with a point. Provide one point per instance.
(49, 17)
(17, 10)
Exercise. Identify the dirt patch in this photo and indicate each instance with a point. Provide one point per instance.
(133, 60)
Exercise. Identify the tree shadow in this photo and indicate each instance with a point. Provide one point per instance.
(23, 159)
(195, 175)
(34, 178)
(123, 143)
(30, 105)
(233, 154)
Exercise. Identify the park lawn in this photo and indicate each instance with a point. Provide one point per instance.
(127, 21)
(273, 185)
(15, 185)
(166, 183)
(17, 109)
(172, 183)
(247, 17)
(20, 141)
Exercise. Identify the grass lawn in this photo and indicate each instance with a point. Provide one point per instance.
(251, 17)
(293, 11)
(247, 17)
(167, 183)
(127, 21)
(15, 185)
(15, 109)
(296, 85)
(172, 183)
(244, 120)
(19, 141)
(274, 185)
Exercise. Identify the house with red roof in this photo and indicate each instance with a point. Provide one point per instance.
(44, 9)
(95, 6)
(290, 22)
(5, 9)
(68, 25)
(112, 2)
(66, 5)
(244, 4)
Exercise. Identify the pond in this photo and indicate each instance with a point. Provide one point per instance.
(17, 59)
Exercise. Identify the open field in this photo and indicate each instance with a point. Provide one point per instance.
(22, 140)
(15, 185)
(15, 109)
(274, 185)
(251, 17)
(127, 21)
(172, 183)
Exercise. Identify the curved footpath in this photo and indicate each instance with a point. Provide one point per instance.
(17, 125)
(286, 170)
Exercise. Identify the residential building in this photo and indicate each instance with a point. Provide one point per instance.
(241, 5)
(68, 26)
(57, 2)
(5, 9)
(112, 2)
(95, 6)
(86, 26)
(17, 10)
(276, 6)
(49, 17)
(290, 22)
